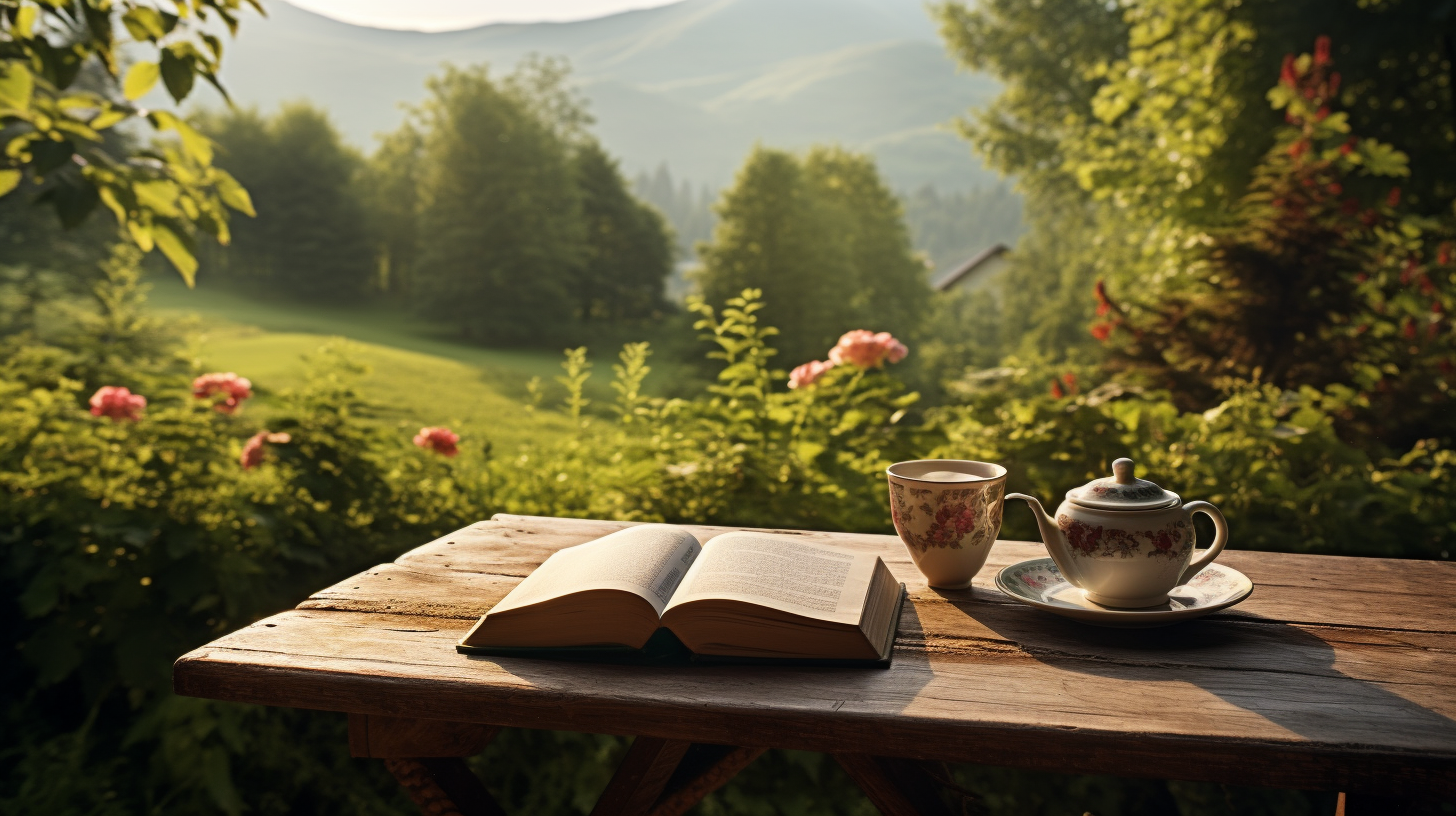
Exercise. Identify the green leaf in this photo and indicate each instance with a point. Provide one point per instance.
(25, 21)
(234, 194)
(144, 23)
(177, 74)
(9, 179)
(139, 79)
(177, 251)
(16, 86)
(194, 144)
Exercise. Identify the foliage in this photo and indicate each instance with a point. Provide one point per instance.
(497, 213)
(628, 245)
(824, 239)
(61, 93)
(1091, 86)
(1323, 278)
(1270, 459)
(309, 238)
(128, 542)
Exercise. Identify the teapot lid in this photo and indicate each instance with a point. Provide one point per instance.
(1122, 491)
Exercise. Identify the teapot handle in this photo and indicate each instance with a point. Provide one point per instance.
(1220, 538)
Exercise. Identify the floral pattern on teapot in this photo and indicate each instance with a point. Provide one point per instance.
(1171, 541)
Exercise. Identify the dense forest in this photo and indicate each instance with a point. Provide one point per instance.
(1236, 267)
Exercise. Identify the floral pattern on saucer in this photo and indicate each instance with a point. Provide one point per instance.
(1039, 583)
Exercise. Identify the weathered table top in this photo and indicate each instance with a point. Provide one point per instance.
(1337, 674)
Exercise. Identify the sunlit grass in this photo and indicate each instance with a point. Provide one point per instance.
(414, 378)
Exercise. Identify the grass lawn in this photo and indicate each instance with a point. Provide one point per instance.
(416, 376)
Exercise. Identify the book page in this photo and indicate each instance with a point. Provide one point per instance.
(649, 560)
(781, 572)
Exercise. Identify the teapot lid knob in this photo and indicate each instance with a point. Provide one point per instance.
(1122, 471)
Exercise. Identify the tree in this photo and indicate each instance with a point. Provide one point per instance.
(886, 281)
(1129, 126)
(500, 204)
(309, 238)
(824, 240)
(391, 187)
(628, 253)
(775, 235)
(55, 126)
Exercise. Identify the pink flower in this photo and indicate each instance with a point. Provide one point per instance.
(234, 388)
(806, 374)
(256, 447)
(865, 349)
(117, 402)
(439, 440)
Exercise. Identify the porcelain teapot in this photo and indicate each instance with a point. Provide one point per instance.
(1125, 541)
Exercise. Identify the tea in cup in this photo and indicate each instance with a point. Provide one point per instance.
(948, 514)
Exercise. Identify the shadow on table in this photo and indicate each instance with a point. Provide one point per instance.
(1278, 671)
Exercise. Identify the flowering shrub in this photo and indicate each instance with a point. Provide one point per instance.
(805, 375)
(117, 403)
(232, 388)
(256, 447)
(866, 349)
(439, 440)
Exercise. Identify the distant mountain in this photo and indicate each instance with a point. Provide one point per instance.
(694, 84)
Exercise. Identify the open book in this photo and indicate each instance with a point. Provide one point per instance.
(741, 597)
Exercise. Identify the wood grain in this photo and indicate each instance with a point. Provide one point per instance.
(1300, 686)
(380, 737)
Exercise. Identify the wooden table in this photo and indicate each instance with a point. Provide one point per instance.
(1338, 674)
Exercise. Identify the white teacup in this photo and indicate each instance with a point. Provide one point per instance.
(948, 514)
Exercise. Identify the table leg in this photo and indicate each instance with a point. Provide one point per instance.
(901, 787)
(427, 757)
(641, 777)
(444, 786)
(704, 769)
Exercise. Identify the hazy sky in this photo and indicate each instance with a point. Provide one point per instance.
(443, 15)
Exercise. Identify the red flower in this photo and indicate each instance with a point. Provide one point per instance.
(256, 446)
(1322, 50)
(1407, 271)
(1393, 200)
(1299, 148)
(1334, 83)
(439, 440)
(1322, 114)
(233, 388)
(1443, 255)
(1287, 73)
(1335, 188)
(1070, 381)
(865, 349)
(1057, 389)
(117, 402)
(805, 375)
(1101, 331)
(1427, 288)
(1408, 328)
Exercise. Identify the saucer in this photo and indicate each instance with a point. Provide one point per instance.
(1039, 583)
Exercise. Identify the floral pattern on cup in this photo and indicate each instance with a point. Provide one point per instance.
(1172, 541)
(946, 519)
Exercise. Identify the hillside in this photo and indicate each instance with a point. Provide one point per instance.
(694, 84)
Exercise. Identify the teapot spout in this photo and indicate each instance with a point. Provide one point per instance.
(1052, 537)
